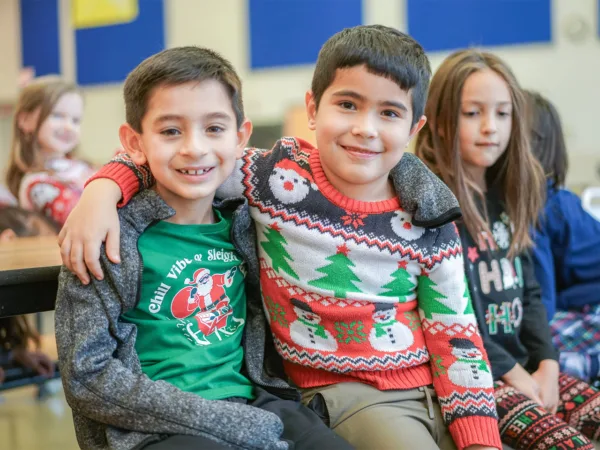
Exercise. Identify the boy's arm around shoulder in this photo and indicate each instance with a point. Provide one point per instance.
(130, 177)
(105, 385)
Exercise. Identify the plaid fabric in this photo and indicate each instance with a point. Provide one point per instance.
(576, 334)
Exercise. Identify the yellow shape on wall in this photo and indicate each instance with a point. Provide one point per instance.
(99, 13)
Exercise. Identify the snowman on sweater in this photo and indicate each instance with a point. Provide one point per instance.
(307, 331)
(469, 369)
(387, 334)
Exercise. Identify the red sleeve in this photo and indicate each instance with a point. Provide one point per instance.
(130, 177)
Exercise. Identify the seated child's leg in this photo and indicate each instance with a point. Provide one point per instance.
(372, 419)
(302, 427)
(579, 406)
(185, 442)
(525, 425)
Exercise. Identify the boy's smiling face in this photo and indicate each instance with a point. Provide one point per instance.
(190, 140)
(363, 125)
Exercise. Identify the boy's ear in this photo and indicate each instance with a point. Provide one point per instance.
(416, 128)
(311, 110)
(132, 143)
(27, 121)
(243, 134)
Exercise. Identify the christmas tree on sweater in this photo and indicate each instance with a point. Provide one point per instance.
(274, 246)
(401, 283)
(339, 276)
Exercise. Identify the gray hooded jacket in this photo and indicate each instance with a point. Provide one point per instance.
(114, 404)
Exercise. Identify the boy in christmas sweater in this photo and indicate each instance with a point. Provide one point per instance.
(361, 266)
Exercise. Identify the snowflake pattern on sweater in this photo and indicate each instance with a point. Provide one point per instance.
(353, 291)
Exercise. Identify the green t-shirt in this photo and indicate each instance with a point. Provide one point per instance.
(192, 309)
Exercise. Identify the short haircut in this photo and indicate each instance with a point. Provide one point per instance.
(176, 66)
(385, 51)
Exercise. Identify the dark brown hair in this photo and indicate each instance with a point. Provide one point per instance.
(547, 138)
(177, 66)
(385, 51)
(517, 173)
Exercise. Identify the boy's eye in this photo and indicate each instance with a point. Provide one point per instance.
(170, 132)
(215, 129)
(390, 113)
(347, 105)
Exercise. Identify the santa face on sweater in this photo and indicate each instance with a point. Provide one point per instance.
(363, 123)
(289, 182)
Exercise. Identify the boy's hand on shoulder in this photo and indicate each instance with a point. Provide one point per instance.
(547, 378)
(520, 379)
(93, 221)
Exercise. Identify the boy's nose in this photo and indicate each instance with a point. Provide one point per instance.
(365, 127)
(194, 147)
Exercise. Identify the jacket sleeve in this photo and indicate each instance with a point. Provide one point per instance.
(104, 388)
(448, 321)
(543, 262)
(535, 329)
(581, 241)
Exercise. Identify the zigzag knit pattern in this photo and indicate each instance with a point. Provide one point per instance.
(347, 364)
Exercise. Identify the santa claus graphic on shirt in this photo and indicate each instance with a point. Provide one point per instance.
(205, 296)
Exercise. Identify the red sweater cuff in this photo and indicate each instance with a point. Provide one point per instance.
(123, 176)
(475, 430)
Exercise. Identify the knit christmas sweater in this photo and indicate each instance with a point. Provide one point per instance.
(370, 292)
(55, 191)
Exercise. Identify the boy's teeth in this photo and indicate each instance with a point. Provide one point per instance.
(194, 172)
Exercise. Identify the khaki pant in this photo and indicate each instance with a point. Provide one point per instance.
(371, 419)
